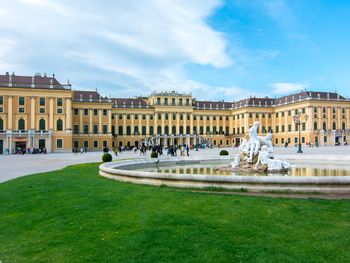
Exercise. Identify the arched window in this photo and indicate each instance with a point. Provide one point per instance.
(324, 126)
(188, 130)
(151, 130)
(136, 130)
(173, 130)
(227, 130)
(1, 125)
(159, 129)
(120, 130)
(214, 130)
(181, 129)
(201, 130)
(42, 125)
(113, 130)
(221, 130)
(166, 129)
(143, 130)
(128, 130)
(207, 130)
(315, 125)
(194, 129)
(59, 125)
(21, 125)
(334, 126)
(343, 126)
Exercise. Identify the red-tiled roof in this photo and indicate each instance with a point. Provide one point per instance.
(221, 105)
(87, 96)
(41, 80)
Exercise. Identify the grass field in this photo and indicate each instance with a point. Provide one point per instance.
(73, 215)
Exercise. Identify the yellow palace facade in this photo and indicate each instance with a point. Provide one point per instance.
(38, 111)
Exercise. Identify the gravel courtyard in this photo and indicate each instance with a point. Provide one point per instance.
(14, 166)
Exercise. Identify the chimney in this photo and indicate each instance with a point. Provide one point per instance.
(51, 83)
(33, 82)
(81, 97)
(90, 99)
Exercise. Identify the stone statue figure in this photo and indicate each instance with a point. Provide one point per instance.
(256, 154)
(267, 141)
(272, 164)
(254, 141)
(244, 147)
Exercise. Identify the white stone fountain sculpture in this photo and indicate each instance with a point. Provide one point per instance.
(256, 154)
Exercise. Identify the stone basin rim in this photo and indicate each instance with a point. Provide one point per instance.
(115, 169)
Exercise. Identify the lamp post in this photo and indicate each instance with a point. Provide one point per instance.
(297, 120)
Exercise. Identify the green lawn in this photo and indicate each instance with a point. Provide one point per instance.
(73, 215)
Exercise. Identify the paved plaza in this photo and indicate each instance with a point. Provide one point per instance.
(14, 166)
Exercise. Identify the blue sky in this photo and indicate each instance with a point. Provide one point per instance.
(215, 49)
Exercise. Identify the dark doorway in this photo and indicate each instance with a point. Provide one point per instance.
(21, 145)
(137, 144)
(41, 143)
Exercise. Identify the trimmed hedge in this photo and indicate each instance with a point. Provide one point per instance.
(107, 157)
(223, 153)
(154, 155)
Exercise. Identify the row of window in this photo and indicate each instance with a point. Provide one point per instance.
(324, 110)
(334, 126)
(86, 112)
(42, 125)
(76, 129)
(41, 110)
(136, 130)
(42, 101)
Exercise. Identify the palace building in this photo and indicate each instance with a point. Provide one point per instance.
(38, 111)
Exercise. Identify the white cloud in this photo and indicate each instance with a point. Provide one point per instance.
(285, 87)
(134, 44)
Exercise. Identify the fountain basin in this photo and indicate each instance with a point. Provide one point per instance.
(127, 171)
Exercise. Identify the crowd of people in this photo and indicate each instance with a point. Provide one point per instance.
(171, 150)
(30, 150)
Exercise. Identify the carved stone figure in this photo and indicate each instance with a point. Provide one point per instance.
(256, 154)
(254, 141)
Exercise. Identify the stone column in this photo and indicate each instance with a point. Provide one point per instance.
(81, 128)
(91, 111)
(204, 125)
(191, 124)
(10, 144)
(68, 114)
(132, 116)
(177, 123)
(49, 148)
(9, 113)
(32, 113)
(51, 115)
(109, 123)
(166, 140)
(185, 123)
(100, 121)
(163, 128)
(170, 122)
(124, 124)
(147, 124)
